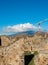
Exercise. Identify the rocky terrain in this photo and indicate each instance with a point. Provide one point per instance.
(12, 48)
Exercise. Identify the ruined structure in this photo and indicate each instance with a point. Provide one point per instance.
(12, 49)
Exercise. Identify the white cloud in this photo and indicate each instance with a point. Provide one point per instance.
(20, 28)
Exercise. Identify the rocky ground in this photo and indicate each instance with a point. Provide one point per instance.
(12, 48)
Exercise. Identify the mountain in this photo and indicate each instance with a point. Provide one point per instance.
(29, 33)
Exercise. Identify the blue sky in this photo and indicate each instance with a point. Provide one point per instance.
(13, 12)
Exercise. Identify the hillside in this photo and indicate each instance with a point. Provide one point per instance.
(12, 48)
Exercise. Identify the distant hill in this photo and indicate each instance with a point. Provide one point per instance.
(29, 33)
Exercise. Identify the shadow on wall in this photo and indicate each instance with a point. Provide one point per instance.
(0, 41)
